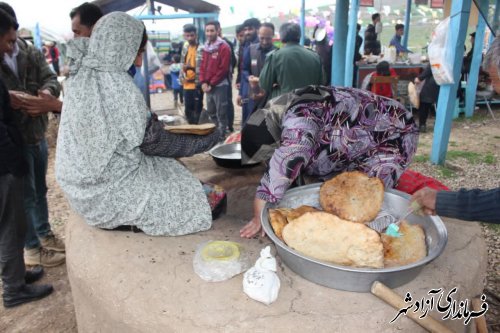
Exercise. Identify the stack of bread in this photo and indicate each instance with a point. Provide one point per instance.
(338, 234)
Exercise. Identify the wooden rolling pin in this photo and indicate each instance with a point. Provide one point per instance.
(481, 326)
(390, 297)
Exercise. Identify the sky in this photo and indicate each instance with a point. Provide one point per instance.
(54, 14)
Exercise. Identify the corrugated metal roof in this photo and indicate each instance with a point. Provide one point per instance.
(192, 6)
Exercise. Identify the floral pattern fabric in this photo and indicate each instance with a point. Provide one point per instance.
(99, 164)
(355, 130)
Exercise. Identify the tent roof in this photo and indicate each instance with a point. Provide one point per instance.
(192, 6)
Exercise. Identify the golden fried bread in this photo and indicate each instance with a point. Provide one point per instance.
(352, 196)
(279, 217)
(407, 249)
(327, 237)
(299, 211)
(278, 221)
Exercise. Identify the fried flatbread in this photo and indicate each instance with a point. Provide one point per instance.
(327, 237)
(299, 211)
(352, 196)
(278, 221)
(280, 217)
(407, 249)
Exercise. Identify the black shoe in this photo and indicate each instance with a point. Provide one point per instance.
(25, 294)
(33, 275)
(422, 129)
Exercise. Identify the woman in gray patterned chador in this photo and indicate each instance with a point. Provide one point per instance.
(99, 162)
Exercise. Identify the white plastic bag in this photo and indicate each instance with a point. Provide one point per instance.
(390, 54)
(216, 261)
(154, 63)
(438, 52)
(261, 282)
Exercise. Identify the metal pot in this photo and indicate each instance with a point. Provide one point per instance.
(354, 278)
(228, 155)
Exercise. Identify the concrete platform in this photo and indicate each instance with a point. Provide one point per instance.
(128, 282)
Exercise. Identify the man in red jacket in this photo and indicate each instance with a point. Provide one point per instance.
(214, 76)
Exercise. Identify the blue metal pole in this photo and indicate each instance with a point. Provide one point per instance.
(351, 43)
(407, 23)
(459, 17)
(339, 42)
(472, 80)
(145, 61)
(201, 38)
(177, 16)
(302, 22)
(37, 38)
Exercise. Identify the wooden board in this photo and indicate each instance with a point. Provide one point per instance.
(203, 129)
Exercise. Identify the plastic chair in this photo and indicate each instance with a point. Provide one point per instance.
(393, 80)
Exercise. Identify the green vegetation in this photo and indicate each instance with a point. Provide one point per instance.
(453, 144)
(493, 227)
(471, 157)
(496, 137)
(446, 172)
(476, 117)
(421, 158)
(490, 159)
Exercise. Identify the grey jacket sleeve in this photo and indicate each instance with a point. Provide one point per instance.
(48, 79)
(470, 205)
(160, 142)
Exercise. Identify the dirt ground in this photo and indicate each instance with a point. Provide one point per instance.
(476, 163)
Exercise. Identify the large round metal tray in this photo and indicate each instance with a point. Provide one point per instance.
(228, 155)
(353, 278)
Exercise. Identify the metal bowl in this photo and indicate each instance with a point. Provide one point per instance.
(353, 278)
(228, 155)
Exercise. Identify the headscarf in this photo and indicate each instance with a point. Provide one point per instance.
(261, 134)
(102, 106)
(99, 164)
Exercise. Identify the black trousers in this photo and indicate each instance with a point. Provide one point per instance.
(230, 107)
(423, 113)
(12, 231)
(193, 103)
(179, 95)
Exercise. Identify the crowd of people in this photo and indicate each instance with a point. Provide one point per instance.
(117, 165)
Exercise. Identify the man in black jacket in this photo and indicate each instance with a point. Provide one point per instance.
(16, 280)
(25, 73)
(475, 204)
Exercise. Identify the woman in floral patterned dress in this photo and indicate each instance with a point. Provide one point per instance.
(322, 131)
(101, 163)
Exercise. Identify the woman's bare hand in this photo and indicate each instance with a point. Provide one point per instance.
(253, 227)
